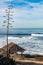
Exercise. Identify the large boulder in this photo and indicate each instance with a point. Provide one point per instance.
(12, 48)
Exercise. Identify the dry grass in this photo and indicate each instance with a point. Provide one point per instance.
(16, 57)
(21, 59)
(39, 59)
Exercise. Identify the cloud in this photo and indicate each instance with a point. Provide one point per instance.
(30, 16)
(27, 13)
(37, 9)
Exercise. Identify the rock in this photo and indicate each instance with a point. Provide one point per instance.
(12, 48)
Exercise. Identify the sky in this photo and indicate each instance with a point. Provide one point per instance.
(27, 13)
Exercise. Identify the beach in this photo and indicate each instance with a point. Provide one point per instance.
(20, 59)
(25, 46)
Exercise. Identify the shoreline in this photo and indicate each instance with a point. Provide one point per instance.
(20, 58)
(29, 63)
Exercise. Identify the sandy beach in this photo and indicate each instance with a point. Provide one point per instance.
(20, 59)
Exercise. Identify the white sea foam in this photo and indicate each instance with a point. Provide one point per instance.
(29, 43)
(18, 40)
(37, 34)
(30, 52)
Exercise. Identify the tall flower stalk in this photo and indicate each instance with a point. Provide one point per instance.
(8, 24)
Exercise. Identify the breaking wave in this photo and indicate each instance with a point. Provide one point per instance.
(30, 39)
(32, 43)
(37, 34)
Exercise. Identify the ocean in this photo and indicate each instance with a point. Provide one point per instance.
(30, 39)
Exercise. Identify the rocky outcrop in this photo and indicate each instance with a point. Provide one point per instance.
(12, 48)
(1, 51)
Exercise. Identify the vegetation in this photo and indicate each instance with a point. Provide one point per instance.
(6, 61)
(39, 58)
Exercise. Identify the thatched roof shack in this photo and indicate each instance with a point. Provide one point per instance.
(12, 48)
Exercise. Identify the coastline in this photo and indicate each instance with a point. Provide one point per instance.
(20, 59)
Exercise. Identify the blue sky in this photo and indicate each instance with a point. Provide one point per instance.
(27, 13)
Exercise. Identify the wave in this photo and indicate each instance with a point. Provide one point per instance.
(27, 42)
(32, 52)
(36, 34)
(17, 34)
(30, 34)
